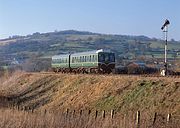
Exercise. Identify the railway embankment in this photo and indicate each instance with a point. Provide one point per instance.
(56, 92)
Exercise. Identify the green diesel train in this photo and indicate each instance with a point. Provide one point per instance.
(98, 61)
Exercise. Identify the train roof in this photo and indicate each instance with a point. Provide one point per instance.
(90, 52)
(60, 56)
(81, 53)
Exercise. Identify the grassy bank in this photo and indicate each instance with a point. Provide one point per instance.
(55, 92)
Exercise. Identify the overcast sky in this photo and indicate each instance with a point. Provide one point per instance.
(125, 17)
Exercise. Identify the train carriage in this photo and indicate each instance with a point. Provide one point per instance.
(60, 63)
(98, 61)
(84, 62)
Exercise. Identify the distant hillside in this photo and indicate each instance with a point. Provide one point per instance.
(44, 45)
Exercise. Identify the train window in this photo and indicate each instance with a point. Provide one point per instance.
(106, 57)
(85, 58)
(90, 58)
(111, 58)
(101, 57)
(80, 59)
(77, 59)
(72, 59)
(95, 58)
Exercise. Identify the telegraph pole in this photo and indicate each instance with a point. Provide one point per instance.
(165, 30)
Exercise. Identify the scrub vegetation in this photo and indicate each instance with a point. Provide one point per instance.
(53, 94)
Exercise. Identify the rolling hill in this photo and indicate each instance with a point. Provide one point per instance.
(44, 45)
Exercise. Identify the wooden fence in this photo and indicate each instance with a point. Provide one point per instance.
(113, 118)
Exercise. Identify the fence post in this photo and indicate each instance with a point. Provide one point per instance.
(168, 118)
(74, 113)
(154, 118)
(103, 113)
(138, 119)
(96, 114)
(45, 111)
(80, 112)
(18, 107)
(32, 110)
(124, 120)
(89, 112)
(112, 114)
(24, 108)
(67, 112)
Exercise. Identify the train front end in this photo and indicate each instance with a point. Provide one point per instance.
(106, 62)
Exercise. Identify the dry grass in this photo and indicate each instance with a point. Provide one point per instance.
(19, 119)
(56, 92)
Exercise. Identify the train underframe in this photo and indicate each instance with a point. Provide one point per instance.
(100, 69)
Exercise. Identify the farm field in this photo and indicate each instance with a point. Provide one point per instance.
(45, 97)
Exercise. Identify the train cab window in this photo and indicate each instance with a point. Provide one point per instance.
(106, 57)
(101, 57)
(111, 58)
